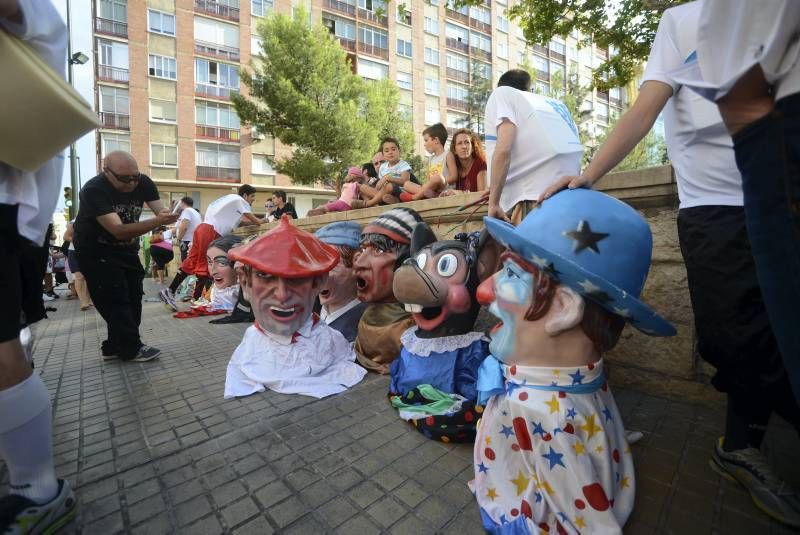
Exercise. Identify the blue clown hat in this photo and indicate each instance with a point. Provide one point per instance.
(593, 243)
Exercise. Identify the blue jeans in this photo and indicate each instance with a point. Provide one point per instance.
(768, 156)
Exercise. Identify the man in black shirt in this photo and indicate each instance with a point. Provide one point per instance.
(279, 199)
(107, 231)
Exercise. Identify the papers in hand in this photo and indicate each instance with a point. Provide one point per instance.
(41, 114)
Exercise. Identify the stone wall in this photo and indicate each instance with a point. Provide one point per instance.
(667, 366)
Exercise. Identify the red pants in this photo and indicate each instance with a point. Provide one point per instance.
(197, 263)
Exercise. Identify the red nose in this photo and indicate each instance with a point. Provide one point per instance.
(485, 293)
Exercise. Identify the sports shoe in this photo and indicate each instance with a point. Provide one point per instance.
(750, 468)
(20, 515)
(47, 298)
(146, 354)
(166, 296)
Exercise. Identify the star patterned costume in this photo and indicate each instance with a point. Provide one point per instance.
(551, 454)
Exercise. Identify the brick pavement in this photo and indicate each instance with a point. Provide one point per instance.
(153, 448)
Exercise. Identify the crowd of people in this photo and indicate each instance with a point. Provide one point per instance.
(561, 265)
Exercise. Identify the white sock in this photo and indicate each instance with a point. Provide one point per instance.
(26, 441)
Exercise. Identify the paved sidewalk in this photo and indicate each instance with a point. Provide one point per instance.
(153, 448)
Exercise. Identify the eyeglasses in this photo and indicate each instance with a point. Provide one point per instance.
(125, 179)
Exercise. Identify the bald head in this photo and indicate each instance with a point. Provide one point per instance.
(121, 163)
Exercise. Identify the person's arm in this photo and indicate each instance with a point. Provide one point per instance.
(480, 180)
(123, 232)
(183, 226)
(452, 168)
(250, 218)
(632, 127)
(70, 232)
(157, 207)
(501, 158)
(405, 176)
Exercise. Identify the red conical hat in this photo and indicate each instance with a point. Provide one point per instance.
(286, 251)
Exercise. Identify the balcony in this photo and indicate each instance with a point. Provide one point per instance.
(455, 15)
(115, 121)
(602, 118)
(558, 56)
(347, 44)
(222, 174)
(214, 91)
(373, 50)
(457, 104)
(111, 27)
(615, 102)
(602, 95)
(480, 26)
(107, 73)
(217, 133)
(217, 9)
(539, 49)
(455, 44)
(542, 75)
(455, 74)
(371, 16)
(481, 53)
(340, 7)
(216, 51)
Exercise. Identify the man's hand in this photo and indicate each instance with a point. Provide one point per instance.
(571, 182)
(166, 217)
(497, 212)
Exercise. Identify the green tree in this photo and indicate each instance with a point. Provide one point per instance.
(480, 88)
(628, 26)
(649, 152)
(381, 112)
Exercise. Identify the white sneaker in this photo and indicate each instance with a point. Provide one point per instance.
(19, 515)
(46, 298)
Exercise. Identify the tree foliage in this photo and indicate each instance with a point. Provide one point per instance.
(480, 88)
(303, 92)
(628, 26)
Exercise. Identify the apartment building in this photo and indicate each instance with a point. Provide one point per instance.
(165, 71)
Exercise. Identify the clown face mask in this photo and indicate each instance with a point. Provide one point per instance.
(220, 268)
(340, 288)
(374, 269)
(508, 294)
(281, 305)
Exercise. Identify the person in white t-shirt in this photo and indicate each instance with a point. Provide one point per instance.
(733, 330)
(392, 174)
(187, 223)
(531, 141)
(222, 216)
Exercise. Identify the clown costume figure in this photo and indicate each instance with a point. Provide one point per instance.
(550, 453)
(288, 349)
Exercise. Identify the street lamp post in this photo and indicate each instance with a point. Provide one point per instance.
(78, 58)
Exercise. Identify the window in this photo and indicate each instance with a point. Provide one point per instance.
(207, 72)
(432, 55)
(456, 32)
(457, 62)
(432, 87)
(451, 5)
(213, 155)
(484, 70)
(216, 32)
(541, 64)
(113, 10)
(211, 114)
(404, 80)
(372, 69)
(404, 48)
(160, 22)
(456, 120)
(521, 59)
(163, 67)
(341, 28)
(502, 50)
(260, 8)
(432, 116)
(478, 40)
(481, 14)
(431, 26)
(373, 37)
(256, 45)
(558, 47)
(114, 100)
(404, 110)
(112, 53)
(572, 53)
(403, 14)
(114, 142)
(163, 110)
(557, 69)
(541, 88)
(372, 5)
(502, 23)
(261, 165)
(162, 155)
(433, 2)
(457, 92)
(602, 111)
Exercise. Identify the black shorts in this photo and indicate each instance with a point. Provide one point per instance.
(72, 260)
(733, 330)
(21, 272)
(161, 256)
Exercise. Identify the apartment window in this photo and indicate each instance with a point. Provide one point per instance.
(341, 28)
(113, 10)
(484, 70)
(404, 80)
(256, 45)
(216, 32)
(456, 120)
(403, 14)
(558, 47)
(457, 91)
(456, 32)
(432, 86)
(520, 57)
(376, 38)
(404, 110)
(502, 50)
(404, 48)
(614, 93)
(478, 40)
(372, 69)
(160, 22)
(557, 68)
(457, 62)
(451, 5)
(573, 53)
(213, 155)
(541, 88)
(162, 155)
(372, 5)
(432, 116)
(601, 111)
(433, 2)
(114, 100)
(163, 67)
(260, 8)
(212, 114)
(163, 110)
(432, 56)
(261, 165)
(215, 73)
(431, 26)
(112, 53)
(502, 23)
(541, 63)
(481, 14)
(114, 142)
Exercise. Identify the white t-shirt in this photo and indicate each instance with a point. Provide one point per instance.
(545, 148)
(193, 216)
(393, 171)
(36, 192)
(698, 144)
(224, 213)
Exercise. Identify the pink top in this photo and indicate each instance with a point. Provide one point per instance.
(164, 244)
(349, 193)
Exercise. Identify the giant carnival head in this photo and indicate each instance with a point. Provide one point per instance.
(570, 279)
(384, 246)
(285, 269)
(340, 288)
(220, 267)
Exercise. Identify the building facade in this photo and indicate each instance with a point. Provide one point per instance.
(165, 71)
